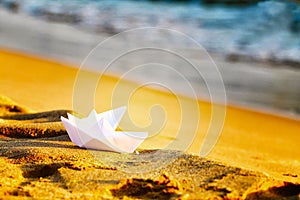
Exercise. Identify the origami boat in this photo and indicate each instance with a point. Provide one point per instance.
(98, 132)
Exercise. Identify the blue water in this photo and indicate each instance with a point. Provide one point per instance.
(269, 30)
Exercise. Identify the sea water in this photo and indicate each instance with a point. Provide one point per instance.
(268, 30)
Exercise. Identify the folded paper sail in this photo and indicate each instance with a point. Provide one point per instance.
(98, 131)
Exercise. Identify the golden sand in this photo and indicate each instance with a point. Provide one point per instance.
(252, 140)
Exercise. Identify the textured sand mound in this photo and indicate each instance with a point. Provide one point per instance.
(16, 121)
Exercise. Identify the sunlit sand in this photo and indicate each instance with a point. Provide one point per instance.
(250, 139)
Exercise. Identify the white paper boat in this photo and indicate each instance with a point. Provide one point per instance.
(97, 131)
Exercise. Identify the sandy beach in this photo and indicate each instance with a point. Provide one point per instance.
(256, 149)
(43, 77)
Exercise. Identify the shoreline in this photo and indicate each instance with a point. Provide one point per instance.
(233, 104)
(262, 88)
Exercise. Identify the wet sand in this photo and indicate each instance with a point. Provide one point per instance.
(255, 155)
